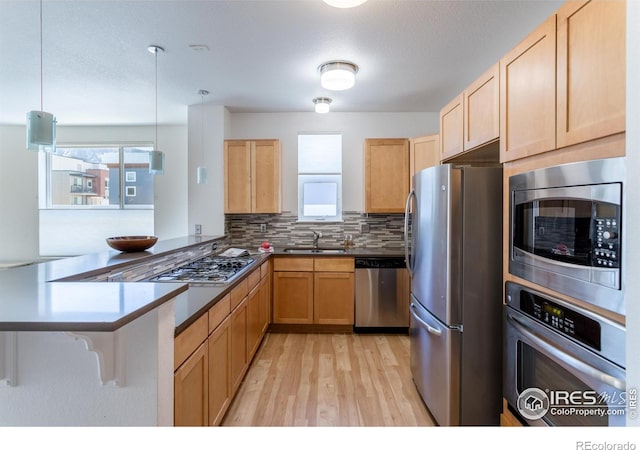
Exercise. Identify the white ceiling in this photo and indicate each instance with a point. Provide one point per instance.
(414, 55)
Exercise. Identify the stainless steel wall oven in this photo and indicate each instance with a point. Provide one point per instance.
(566, 230)
(563, 366)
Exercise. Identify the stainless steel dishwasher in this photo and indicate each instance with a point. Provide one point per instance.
(382, 294)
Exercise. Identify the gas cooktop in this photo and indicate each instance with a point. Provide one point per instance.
(209, 270)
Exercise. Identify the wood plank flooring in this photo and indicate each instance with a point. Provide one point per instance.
(329, 380)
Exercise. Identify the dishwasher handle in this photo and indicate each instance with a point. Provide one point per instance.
(380, 262)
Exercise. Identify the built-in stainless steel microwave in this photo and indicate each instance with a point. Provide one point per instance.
(566, 230)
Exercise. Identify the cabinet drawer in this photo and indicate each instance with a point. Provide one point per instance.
(340, 264)
(264, 269)
(293, 264)
(219, 312)
(189, 340)
(238, 293)
(253, 279)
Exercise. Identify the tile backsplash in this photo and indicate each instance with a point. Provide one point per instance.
(371, 231)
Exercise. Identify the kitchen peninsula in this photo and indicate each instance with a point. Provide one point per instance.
(75, 350)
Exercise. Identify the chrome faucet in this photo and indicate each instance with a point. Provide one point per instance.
(316, 236)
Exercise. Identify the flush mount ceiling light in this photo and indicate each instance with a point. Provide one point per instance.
(41, 125)
(344, 3)
(322, 104)
(202, 176)
(338, 75)
(156, 157)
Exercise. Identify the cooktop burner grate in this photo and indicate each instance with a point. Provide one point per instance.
(209, 269)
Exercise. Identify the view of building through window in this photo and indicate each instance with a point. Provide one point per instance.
(100, 177)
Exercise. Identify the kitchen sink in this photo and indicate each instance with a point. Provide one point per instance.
(313, 251)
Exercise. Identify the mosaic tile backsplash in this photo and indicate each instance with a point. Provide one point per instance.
(284, 230)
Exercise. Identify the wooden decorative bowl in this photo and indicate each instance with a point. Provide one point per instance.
(131, 244)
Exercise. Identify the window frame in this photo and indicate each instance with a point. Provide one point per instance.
(121, 205)
(320, 177)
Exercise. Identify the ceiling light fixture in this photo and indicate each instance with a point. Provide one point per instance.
(338, 75)
(156, 157)
(344, 3)
(322, 104)
(41, 125)
(202, 175)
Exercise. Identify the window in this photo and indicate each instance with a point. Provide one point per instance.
(320, 177)
(77, 177)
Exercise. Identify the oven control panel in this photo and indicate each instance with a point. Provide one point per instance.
(606, 242)
(562, 319)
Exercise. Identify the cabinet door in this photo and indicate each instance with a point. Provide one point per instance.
(254, 325)
(333, 294)
(591, 70)
(481, 109)
(219, 371)
(528, 95)
(239, 361)
(424, 152)
(265, 177)
(451, 123)
(265, 299)
(293, 297)
(386, 175)
(191, 385)
(237, 177)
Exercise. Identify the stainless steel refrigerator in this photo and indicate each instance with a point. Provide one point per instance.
(453, 241)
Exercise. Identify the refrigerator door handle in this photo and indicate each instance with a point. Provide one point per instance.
(430, 329)
(407, 256)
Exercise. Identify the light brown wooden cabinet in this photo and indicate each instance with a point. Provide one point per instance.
(472, 119)
(424, 151)
(551, 99)
(591, 70)
(451, 123)
(481, 109)
(386, 175)
(191, 377)
(313, 290)
(252, 176)
(212, 355)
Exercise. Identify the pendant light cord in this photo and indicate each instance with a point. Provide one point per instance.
(156, 53)
(202, 124)
(41, 72)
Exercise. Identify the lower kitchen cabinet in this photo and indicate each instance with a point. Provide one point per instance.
(220, 394)
(313, 291)
(293, 297)
(239, 360)
(212, 355)
(333, 298)
(191, 385)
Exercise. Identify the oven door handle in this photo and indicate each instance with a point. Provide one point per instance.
(560, 355)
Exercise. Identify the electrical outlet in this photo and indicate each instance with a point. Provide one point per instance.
(364, 228)
(198, 228)
(263, 228)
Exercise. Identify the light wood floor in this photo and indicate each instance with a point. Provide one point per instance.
(329, 380)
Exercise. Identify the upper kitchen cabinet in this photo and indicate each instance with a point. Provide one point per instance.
(424, 151)
(481, 106)
(528, 95)
(591, 71)
(472, 119)
(252, 176)
(386, 175)
(451, 123)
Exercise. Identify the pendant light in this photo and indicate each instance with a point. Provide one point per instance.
(41, 125)
(202, 175)
(156, 157)
(344, 3)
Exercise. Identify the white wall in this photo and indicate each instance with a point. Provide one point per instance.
(19, 182)
(355, 128)
(632, 238)
(206, 201)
